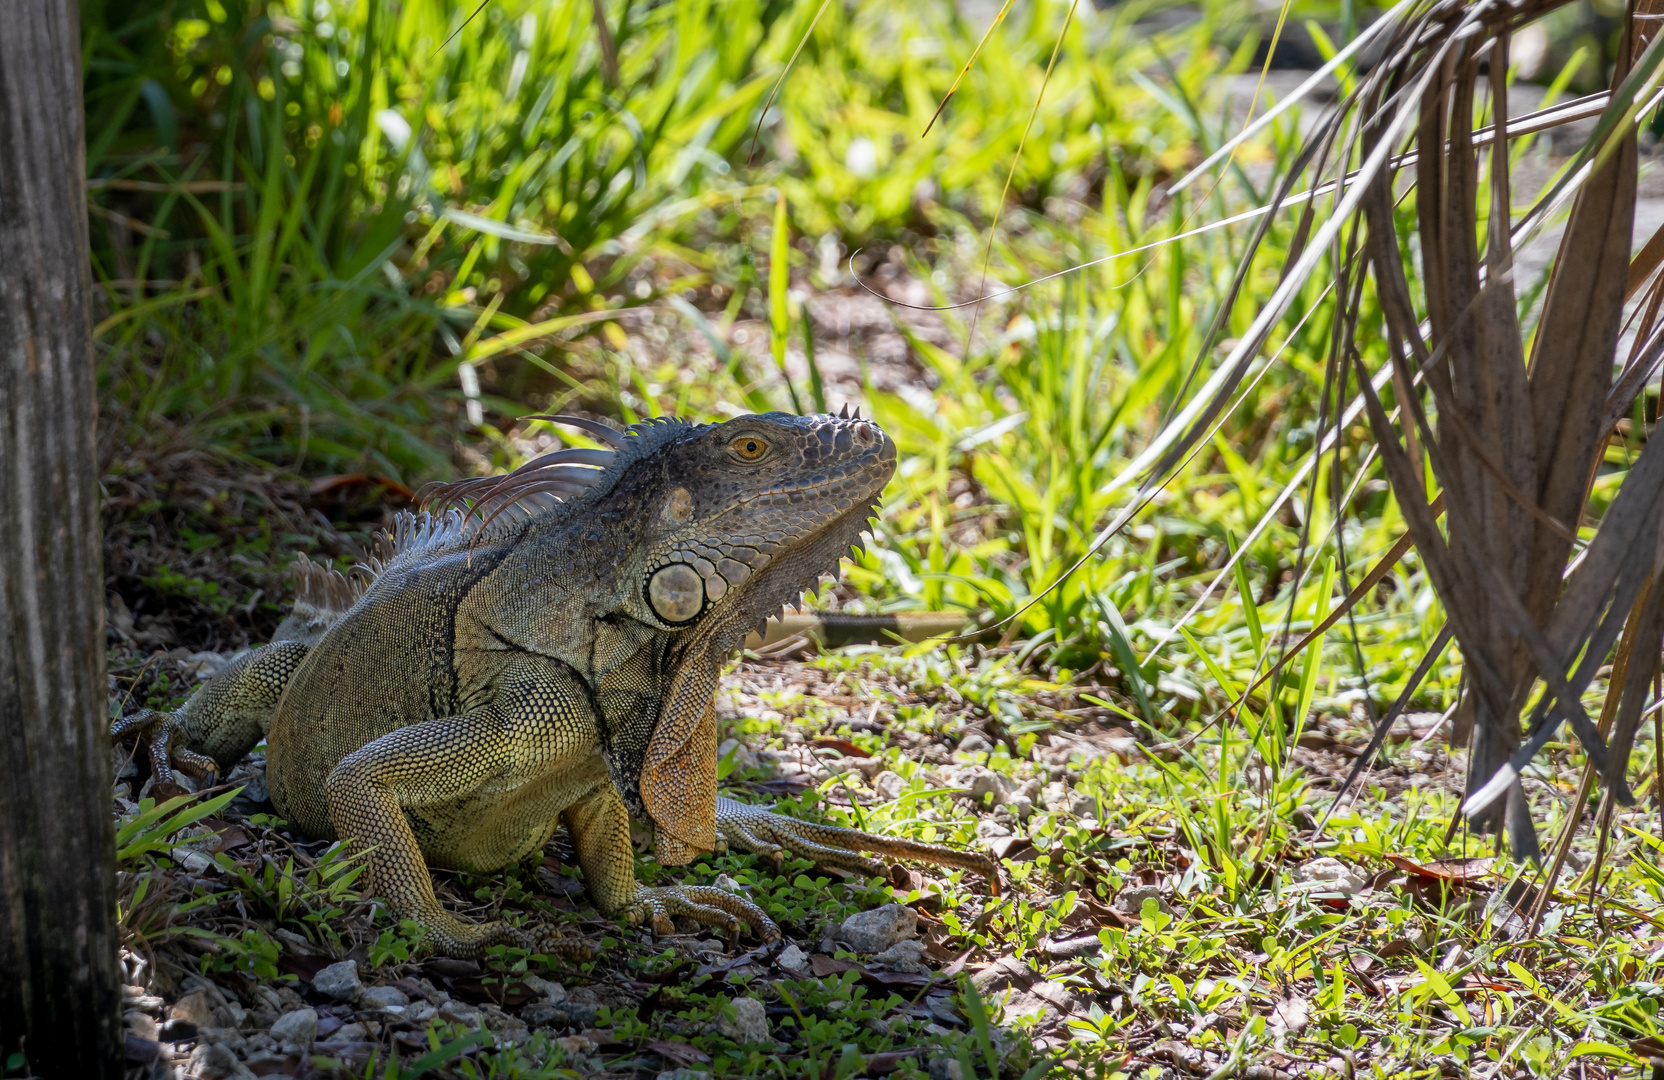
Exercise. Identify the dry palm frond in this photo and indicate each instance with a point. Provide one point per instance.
(1513, 437)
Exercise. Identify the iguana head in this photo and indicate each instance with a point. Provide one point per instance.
(741, 517)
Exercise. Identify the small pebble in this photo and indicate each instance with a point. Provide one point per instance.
(193, 1008)
(460, 1012)
(340, 981)
(945, 1068)
(298, 1029)
(214, 1061)
(383, 997)
(910, 950)
(1130, 900)
(553, 992)
(986, 789)
(877, 929)
(750, 1022)
(793, 960)
(1329, 874)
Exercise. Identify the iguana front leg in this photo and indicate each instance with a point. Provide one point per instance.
(599, 828)
(762, 832)
(222, 721)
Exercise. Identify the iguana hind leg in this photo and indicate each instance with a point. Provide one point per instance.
(373, 792)
(762, 832)
(222, 721)
(599, 828)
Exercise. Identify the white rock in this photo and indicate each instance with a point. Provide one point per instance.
(297, 1029)
(460, 1012)
(946, 1069)
(216, 1061)
(793, 959)
(141, 1024)
(987, 828)
(1329, 874)
(1131, 899)
(888, 785)
(1021, 806)
(727, 884)
(383, 997)
(684, 1074)
(750, 1022)
(339, 981)
(974, 744)
(743, 757)
(193, 861)
(876, 930)
(553, 992)
(1290, 1015)
(1083, 805)
(909, 950)
(193, 1008)
(984, 785)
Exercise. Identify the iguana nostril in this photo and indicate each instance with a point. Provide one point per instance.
(676, 592)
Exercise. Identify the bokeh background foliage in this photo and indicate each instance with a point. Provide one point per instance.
(321, 230)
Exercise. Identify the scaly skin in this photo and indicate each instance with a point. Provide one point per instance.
(551, 661)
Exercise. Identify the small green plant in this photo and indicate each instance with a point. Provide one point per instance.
(396, 945)
(154, 827)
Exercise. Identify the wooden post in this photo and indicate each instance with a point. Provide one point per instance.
(59, 973)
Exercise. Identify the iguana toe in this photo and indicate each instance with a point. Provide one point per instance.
(704, 904)
(157, 731)
(575, 949)
(764, 833)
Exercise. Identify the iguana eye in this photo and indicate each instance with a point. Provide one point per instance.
(748, 448)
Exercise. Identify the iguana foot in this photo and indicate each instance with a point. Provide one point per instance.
(704, 904)
(450, 936)
(157, 731)
(761, 832)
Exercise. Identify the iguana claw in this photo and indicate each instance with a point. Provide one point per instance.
(157, 730)
(705, 904)
(761, 832)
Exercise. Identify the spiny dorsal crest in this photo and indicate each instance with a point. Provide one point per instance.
(322, 595)
(460, 512)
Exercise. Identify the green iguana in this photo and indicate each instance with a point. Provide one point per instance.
(548, 656)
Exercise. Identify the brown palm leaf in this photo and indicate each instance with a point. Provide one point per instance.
(1513, 437)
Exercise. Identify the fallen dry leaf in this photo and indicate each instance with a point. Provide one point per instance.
(1464, 871)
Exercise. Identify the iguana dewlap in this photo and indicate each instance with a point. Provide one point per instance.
(550, 657)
